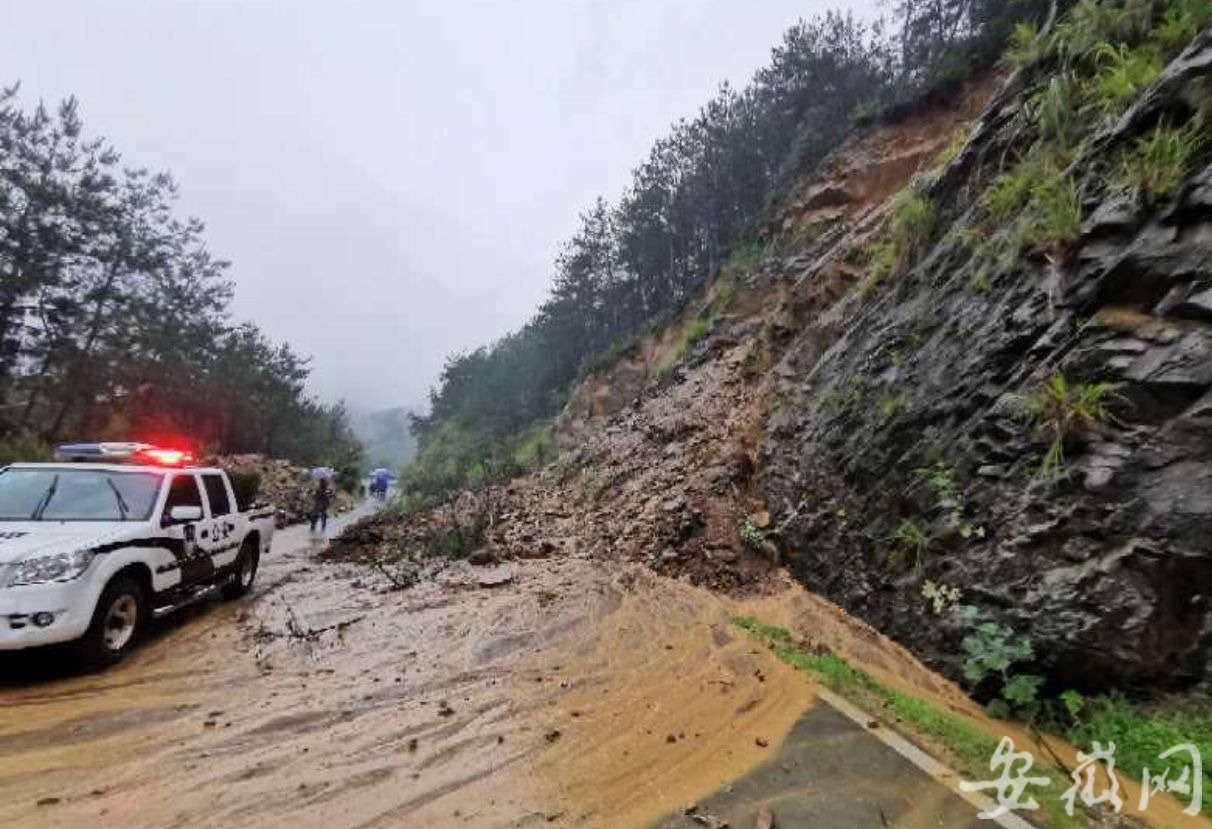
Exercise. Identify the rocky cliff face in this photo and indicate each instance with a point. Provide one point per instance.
(902, 450)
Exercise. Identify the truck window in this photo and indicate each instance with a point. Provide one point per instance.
(182, 492)
(216, 493)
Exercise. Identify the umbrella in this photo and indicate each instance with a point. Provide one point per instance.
(322, 473)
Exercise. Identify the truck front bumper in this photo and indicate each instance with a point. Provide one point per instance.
(44, 614)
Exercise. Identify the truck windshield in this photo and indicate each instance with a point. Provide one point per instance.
(63, 494)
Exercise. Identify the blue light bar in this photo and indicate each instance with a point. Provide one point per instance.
(97, 452)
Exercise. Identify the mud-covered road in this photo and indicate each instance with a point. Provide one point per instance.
(542, 693)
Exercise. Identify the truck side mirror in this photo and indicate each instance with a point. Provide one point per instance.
(183, 515)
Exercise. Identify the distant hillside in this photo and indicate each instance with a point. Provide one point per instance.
(386, 436)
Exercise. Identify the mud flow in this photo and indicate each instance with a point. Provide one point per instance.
(558, 692)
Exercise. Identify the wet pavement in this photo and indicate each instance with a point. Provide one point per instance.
(559, 692)
(830, 772)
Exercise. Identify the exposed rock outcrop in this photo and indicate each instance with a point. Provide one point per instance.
(1108, 568)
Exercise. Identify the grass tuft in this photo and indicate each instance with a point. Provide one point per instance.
(1156, 164)
(1062, 410)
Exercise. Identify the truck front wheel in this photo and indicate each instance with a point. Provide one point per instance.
(118, 620)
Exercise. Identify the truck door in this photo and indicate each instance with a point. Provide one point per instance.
(193, 558)
(222, 540)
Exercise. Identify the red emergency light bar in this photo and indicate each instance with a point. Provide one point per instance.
(165, 457)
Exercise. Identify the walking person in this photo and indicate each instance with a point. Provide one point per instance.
(320, 501)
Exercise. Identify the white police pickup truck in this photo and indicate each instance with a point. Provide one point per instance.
(112, 535)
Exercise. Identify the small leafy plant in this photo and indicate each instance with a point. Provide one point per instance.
(991, 650)
(940, 478)
(754, 537)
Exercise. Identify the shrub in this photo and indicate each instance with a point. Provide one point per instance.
(1157, 163)
(1062, 410)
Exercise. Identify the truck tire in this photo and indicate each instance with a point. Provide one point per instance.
(246, 570)
(118, 622)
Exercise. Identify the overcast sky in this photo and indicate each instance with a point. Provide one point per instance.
(391, 180)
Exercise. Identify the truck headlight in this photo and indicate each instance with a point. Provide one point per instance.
(48, 568)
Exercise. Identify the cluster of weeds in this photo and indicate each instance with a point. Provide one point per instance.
(909, 229)
(910, 545)
(1055, 109)
(940, 478)
(1037, 202)
(691, 336)
(1155, 166)
(1062, 410)
(1181, 22)
(1123, 73)
(1054, 216)
(1101, 55)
